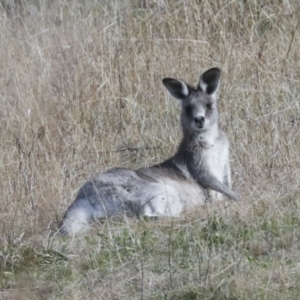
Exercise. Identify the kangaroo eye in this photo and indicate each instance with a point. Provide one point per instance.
(188, 109)
(208, 105)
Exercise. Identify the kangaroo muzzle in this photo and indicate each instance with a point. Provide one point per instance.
(199, 121)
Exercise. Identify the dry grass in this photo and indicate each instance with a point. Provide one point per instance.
(81, 91)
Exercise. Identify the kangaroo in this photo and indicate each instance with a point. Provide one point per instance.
(198, 171)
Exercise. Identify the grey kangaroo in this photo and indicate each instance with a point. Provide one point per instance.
(198, 171)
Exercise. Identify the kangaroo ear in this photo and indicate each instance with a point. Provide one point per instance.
(177, 88)
(209, 81)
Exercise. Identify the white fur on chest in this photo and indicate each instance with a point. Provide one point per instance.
(215, 160)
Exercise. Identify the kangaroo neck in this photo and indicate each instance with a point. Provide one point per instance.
(201, 139)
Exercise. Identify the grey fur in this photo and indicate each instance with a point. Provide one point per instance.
(171, 187)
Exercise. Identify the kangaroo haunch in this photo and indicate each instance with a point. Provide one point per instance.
(198, 170)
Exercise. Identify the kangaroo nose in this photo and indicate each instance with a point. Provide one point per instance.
(199, 121)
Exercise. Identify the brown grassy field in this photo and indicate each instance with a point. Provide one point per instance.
(81, 92)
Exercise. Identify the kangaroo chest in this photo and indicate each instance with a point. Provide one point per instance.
(214, 160)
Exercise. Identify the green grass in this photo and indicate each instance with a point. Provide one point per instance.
(81, 92)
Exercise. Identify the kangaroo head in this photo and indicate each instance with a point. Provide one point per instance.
(199, 104)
